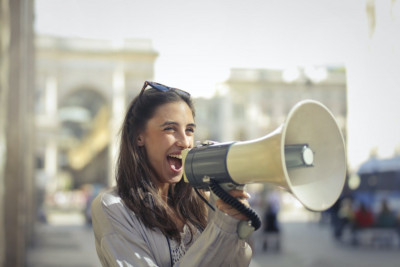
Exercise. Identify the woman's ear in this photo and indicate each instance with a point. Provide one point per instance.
(140, 141)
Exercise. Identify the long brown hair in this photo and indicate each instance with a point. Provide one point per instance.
(136, 180)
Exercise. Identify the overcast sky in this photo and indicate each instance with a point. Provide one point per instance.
(200, 41)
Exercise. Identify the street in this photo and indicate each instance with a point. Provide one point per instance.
(303, 244)
(309, 244)
(63, 246)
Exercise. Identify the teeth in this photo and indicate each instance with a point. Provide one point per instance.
(175, 156)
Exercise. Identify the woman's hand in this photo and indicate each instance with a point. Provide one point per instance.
(242, 196)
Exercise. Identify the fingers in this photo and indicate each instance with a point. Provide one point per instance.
(239, 194)
(242, 196)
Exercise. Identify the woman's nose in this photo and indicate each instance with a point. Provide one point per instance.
(184, 141)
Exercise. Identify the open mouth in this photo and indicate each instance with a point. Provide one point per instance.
(175, 162)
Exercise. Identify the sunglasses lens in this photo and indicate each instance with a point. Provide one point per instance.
(179, 91)
(159, 87)
(164, 88)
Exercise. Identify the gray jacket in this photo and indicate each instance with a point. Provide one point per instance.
(122, 240)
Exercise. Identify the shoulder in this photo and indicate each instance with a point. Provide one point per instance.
(110, 214)
(107, 198)
(108, 205)
(118, 232)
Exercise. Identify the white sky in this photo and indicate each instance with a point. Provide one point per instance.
(200, 41)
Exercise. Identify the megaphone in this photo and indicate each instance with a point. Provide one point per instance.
(305, 156)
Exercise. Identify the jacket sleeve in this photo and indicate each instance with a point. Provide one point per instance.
(218, 245)
(118, 241)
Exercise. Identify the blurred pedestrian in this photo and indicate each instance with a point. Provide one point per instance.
(271, 224)
(345, 217)
(363, 217)
(386, 217)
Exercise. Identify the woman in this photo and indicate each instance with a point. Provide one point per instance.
(153, 217)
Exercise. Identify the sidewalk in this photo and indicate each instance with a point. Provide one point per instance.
(312, 245)
(302, 244)
(63, 246)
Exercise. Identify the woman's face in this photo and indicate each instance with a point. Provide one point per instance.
(167, 133)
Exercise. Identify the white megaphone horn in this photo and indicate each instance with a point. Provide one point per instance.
(305, 156)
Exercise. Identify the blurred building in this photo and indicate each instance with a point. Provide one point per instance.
(377, 180)
(82, 89)
(254, 102)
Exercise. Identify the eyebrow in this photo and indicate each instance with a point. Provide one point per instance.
(175, 123)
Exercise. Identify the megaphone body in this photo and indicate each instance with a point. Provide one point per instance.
(305, 156)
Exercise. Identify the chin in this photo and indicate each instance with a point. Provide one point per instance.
(177, 179)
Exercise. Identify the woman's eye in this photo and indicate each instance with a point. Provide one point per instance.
(190, 130)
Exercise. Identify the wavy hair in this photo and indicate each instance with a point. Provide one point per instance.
(136, 180)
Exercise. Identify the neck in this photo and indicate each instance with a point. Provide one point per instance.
(163, 191)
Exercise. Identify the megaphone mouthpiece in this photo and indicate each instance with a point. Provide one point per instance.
(206, 162)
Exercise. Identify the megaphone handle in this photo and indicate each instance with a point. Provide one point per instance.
(243, 229)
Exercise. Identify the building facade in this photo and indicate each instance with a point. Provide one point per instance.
(82, 89)
(254, 102)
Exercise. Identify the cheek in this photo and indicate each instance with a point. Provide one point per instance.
(191, 142)
(156, 147)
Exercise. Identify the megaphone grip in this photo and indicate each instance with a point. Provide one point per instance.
(227, 198)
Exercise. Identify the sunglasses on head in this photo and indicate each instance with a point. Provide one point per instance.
(161, 87)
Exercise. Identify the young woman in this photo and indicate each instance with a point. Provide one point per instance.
(152, 217)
